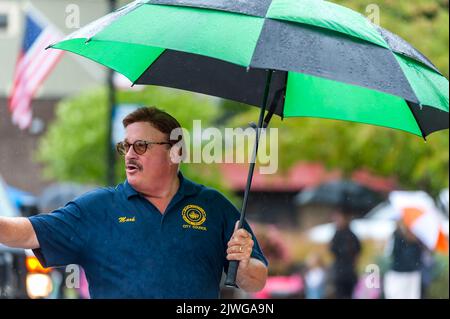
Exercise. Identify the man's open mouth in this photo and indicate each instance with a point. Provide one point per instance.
(133, 168)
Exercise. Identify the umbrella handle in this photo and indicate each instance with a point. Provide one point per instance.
(230, 281)
(233, 265)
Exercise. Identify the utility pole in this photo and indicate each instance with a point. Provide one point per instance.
(111, 156)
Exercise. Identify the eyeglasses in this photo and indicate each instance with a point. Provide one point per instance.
(139, 146)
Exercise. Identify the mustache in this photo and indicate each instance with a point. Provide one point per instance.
(135, 163)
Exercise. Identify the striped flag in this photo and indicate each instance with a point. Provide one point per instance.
(33, 65)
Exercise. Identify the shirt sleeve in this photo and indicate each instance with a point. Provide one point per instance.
(59, 236)
(232, 215)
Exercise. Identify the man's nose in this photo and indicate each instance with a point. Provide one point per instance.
(131, 153)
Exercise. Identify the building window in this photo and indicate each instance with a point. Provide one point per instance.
(9, 19)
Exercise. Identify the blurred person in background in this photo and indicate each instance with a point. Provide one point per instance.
(315, 277)
(427, 271)
(346, 248)
(404, 279)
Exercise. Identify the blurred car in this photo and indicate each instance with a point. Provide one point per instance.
(26, 203)
(21, 274)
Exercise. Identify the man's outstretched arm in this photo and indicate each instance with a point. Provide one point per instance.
(17, 232)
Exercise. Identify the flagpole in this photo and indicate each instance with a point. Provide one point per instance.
(110, 173)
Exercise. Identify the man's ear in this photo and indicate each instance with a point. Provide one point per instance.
(176, 153)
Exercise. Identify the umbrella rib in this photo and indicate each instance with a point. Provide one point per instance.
(417, 120)
(271, 111)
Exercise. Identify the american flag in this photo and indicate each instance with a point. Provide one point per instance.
(33, 65)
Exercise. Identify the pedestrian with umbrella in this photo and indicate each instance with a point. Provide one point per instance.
(419, 234)
(288, 57)
(403, 280)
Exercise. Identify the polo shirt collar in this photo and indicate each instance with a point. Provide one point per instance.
(186, 188)
(129, 190)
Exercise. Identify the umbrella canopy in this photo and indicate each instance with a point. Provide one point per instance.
(418, 212)
(364, 229)
(443, 200)
(325, 60)
(350, 196)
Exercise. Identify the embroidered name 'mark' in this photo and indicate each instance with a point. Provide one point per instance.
(127, 219)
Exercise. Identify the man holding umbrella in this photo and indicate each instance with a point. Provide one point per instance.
(157, 235)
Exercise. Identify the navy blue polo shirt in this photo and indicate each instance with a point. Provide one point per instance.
(128, 249)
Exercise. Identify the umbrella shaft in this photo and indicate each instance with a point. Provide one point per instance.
(255, 148)
(230, 281)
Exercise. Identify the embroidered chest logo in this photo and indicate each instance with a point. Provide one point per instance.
(194, 216)
(127, 219)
